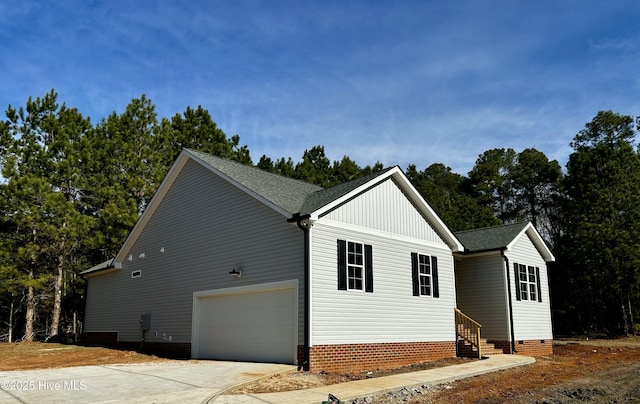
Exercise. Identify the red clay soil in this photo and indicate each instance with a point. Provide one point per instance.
(605, 372)
(39, 355)
(596, 371)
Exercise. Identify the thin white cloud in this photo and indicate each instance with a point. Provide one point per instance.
(422, 83)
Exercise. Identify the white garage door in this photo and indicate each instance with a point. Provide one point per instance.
(256, 326)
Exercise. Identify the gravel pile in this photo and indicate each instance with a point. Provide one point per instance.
(403, 395)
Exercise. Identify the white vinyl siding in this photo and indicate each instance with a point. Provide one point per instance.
(391, 313)
(202, 229)
(372, 210)
(481, 285)
(532, 319)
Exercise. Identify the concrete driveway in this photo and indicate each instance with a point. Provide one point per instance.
(158, 382)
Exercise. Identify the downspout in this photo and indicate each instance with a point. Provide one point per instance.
(508, 270)
(307, 287)
(84, 311)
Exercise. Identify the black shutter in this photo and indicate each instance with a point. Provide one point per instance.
(517, 280)
(368, 268)
(538, 281)
(434, 276)
(342, 265)
(414, 274)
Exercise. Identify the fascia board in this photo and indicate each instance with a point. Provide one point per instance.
(241, 187)
(355, 192)
(164, 187)
(106, 266)
(537, 241)
(462, 255)
(411, 193)
(440, 227)
(99, 272)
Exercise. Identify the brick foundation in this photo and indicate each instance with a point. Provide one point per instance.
(535, 347)
(361, 357)
(164, 349)
(100, 338)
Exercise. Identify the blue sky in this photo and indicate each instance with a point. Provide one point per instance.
(400, 82)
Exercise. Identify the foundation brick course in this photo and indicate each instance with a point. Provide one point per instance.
(535, 347)
(361, 357)
(164, 349)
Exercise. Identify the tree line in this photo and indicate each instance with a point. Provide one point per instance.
(71, 191)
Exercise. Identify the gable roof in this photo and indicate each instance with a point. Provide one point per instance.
(324, 197)
(290, 197)
(502, 237)
(288, 194)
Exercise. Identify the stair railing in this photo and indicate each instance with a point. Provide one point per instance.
(469, 330)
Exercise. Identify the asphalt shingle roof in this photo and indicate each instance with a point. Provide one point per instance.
(489, 238)
(293, 196)
(325, 196)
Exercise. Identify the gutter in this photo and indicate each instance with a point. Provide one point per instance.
(508, 270)
(307, 287)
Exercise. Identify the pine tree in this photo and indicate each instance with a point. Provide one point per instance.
(602, 217)
(492, 182)
(446, 192)
(536, 188)
(43, 200)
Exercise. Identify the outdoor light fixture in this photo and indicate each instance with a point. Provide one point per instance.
(235, 271)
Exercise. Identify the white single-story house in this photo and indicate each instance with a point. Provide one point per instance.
(236, 263)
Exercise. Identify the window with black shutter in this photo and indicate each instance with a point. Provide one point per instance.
(355, 266)
(527, 282)
(424, 273)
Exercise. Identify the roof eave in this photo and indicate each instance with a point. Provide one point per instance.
(483, 251)
(537, 241)
(102, 268)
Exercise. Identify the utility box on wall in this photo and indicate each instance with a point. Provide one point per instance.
(145, 322)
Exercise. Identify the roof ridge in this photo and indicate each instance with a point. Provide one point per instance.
(285, 194)
(494, 227)
(257, 169)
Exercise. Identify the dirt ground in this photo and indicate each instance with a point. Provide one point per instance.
(602, 371)
(578, 371)
(595, 370)
(305, 380)
(39, 355)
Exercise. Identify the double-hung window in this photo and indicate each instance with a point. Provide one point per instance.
(527, 280)
(355, 266)
(424, 269)
(424, 273)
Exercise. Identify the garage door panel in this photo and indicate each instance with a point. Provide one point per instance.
(258, 326)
